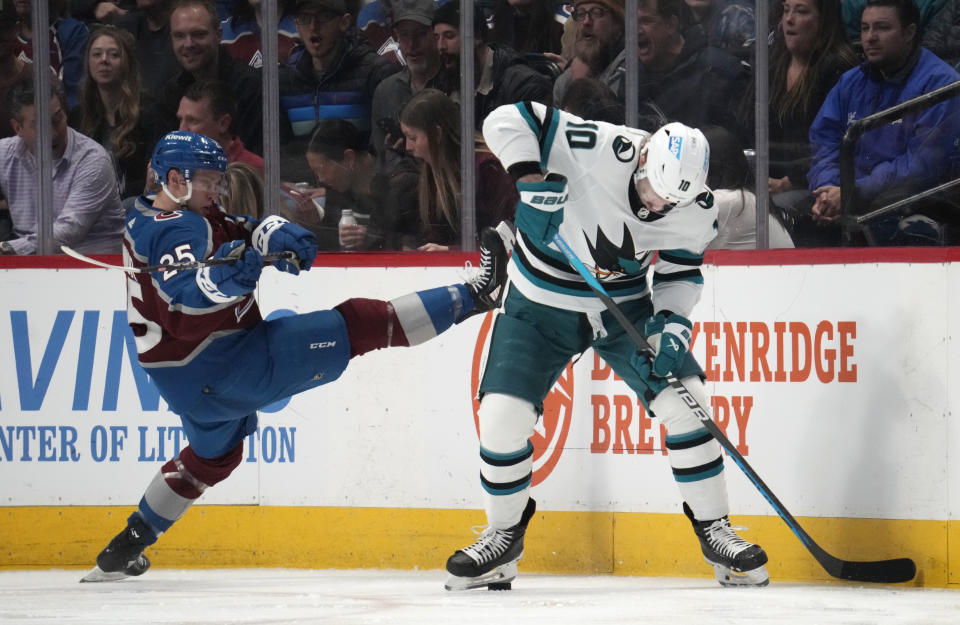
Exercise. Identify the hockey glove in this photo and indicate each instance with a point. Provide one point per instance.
(275, 235)
(652, 385)
(670, 336)
(221, 283)
(540, 211)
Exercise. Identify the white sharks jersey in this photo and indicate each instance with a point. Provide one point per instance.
(604, 221)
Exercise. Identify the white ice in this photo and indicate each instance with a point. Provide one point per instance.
(284, 597)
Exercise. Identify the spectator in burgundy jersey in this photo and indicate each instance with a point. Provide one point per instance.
(208, 108)
(195, 32)
(241, 34)
(113, 109)
(150, 26)
(24, 11)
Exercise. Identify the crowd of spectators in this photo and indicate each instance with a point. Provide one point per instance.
(370, 95)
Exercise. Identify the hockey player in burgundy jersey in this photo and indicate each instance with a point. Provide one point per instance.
(214, 359)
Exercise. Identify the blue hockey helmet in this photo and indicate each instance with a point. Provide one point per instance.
(186, 152)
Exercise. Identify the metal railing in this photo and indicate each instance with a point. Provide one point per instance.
(849, 192)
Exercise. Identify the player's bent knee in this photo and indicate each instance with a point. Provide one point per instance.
(674, 413)
(371, 324)
(506, 422)
(210, 471)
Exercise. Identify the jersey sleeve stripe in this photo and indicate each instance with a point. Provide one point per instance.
(547, 134)
(681, 257)
(690, 275)
(529, 116)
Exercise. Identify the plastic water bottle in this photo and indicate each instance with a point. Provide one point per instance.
(346, 219)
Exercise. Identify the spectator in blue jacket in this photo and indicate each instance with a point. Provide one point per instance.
(896, 159)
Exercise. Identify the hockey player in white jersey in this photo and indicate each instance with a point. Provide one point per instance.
(617, 195)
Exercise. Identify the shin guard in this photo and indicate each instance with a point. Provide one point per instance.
(407, 320)
(695, 456)
(180, 482)
(506, 457)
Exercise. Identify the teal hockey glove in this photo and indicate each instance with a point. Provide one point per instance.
(540, 211)
(670, 335)
(644, 368)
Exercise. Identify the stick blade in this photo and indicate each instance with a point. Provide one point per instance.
(880, 572)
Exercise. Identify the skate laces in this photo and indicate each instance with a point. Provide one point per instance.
(723, 539)
(491, 544)
(483, 274)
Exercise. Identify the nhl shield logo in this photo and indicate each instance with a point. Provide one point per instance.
(550, 434)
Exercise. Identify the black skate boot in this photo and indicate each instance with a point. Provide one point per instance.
(735, 561)
(488, 286)
(492, 560)
(123, 557)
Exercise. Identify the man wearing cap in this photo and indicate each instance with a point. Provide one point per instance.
(412, 29)
(502, 75)
(333, 74)
(598, 50)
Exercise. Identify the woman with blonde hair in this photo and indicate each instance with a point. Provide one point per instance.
(244, 191)
(430, 122)
(112, 108)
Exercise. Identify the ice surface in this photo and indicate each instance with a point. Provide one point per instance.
(269, 596)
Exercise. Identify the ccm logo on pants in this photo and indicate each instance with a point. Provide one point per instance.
(322, 345)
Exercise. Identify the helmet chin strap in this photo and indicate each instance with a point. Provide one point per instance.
(182, 201)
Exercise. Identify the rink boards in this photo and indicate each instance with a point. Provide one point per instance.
(830, 371)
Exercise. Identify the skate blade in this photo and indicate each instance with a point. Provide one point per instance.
(99, 575)
(497, 579)
(729, 578)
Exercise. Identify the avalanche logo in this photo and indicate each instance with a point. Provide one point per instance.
(550, 433)
(675, 145)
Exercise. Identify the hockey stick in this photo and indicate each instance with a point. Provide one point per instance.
(879, 571)
(195, 264)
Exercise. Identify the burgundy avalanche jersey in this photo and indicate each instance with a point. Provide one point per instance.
(171, 317)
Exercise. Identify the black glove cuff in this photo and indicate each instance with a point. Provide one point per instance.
(524, 168)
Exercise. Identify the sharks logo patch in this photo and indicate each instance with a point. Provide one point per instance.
(612, 258)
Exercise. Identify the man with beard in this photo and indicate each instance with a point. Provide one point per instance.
(412, 30)
(598, 51)
(502, 76)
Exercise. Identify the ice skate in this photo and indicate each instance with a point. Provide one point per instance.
(492, 560)
(488, 285)
(123, 557)
(735, 561)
